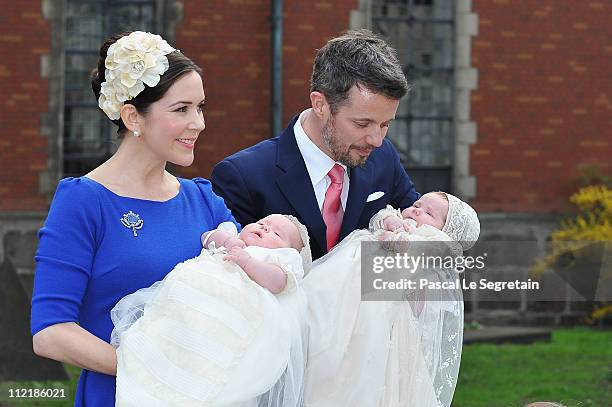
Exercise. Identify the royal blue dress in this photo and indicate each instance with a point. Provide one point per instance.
(96, 247)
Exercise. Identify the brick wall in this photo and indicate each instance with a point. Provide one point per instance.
(24, 37)
(308, 26)
(230, 39)
(543, 104)
(542, 107)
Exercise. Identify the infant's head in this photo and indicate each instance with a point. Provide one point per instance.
(449, 214)
(431, 209)
(273, 231)
(279, 231)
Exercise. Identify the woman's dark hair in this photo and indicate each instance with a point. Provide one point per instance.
(179, 65)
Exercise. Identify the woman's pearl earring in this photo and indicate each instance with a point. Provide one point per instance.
(136, 133)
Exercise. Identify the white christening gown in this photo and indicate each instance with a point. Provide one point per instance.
(379, 353)
(207, 335)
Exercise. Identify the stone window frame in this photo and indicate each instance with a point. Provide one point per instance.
(465, 79)
(168, 14)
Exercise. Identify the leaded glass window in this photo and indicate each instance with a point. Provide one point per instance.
(88, 135)
(422, 32)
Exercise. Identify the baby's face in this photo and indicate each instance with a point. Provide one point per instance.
(272, 232)
(430, 209)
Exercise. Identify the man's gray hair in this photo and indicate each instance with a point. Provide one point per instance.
(359, 57)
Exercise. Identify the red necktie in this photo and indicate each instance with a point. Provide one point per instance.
(332, 208)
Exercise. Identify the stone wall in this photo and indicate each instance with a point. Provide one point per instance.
(523, 239)
(18, 243)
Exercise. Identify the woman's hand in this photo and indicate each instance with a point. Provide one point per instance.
(68, 342)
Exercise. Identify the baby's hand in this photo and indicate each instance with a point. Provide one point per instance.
(392, 242)
(408, 225)
(391, 223)
(234, 242)
(238, 256)
(386, 236)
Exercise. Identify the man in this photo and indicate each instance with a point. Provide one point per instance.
(331, 167)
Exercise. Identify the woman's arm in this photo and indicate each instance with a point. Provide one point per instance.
(68, 342)
(64, 262)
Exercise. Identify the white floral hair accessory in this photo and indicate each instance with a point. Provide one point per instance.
(131, 62)
(462, 223)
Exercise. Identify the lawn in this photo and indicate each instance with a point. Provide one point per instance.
(69, 388)
(575, 369)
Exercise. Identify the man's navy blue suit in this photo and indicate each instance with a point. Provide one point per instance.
(271, 177)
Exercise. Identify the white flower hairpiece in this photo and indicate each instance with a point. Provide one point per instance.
(133, 61)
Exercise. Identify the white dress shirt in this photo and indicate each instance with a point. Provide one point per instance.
(318, 164)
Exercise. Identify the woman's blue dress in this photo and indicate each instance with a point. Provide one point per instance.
(96, 247)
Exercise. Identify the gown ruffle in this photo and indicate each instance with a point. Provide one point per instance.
(378, 353)
(207, 335)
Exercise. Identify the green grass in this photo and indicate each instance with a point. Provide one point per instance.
(68, 386)
(575, 368)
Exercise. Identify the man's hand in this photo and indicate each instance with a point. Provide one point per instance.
(238, 256)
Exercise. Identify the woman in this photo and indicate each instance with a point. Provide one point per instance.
(128, 222)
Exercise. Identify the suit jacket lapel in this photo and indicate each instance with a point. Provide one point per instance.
(360, 186)
(296, 186)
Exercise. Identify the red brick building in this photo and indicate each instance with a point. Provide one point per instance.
(543, 104)
(529, 85)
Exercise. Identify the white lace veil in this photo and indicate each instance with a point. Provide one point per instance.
(438, 319)
(462, 223)
(428, 327)
(305, 253)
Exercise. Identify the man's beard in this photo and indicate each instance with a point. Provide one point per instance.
(339, 152)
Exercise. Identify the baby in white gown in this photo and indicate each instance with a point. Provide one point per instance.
(379, 353)
(212, 333)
